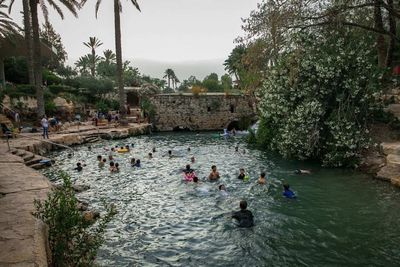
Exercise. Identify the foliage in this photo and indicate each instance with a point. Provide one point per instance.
(16, 70)
(50, 78)
(53, 39)
(148, 108)
(91, 86)
(317, 101)
(106, 105)
(168, 90)
(58, 89)
(7, 25)
(197, 90)
(50, 107)
(73, 240)
(212, 83)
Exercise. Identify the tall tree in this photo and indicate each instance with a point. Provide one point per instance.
(93, 43)
(28, 40)
(72, 6)
(53, 39)
(83, 64)
(7, 25)
(109, 56)
(118, 49)
(169, 75)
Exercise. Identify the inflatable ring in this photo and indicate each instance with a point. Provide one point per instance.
(122, 150)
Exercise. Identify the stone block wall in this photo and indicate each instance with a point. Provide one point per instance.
(201, 112)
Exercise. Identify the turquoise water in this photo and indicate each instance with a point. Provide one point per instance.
(340, 218)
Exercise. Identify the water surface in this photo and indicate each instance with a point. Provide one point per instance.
(340, 218)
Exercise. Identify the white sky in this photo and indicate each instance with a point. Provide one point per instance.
(165, 30)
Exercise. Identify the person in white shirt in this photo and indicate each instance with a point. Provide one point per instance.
(45, 126)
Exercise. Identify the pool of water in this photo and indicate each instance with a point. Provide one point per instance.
(340, 217)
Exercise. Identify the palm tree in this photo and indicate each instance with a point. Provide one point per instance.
(83, 64)
(109, 56)
(118, 48)
(93, 44)
(169, 75)
(7, 25)
(72, 6)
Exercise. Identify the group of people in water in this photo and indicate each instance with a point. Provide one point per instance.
(243, 216)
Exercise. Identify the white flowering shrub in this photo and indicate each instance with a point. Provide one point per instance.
(317, 101)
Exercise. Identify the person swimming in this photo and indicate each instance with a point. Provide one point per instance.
(116, 167)
(241, 174)
(170, 153)
(154, 150)
(78, 167)
(287, 192)
(137, 164)
(150, 155)
(133, 162)
(127, 147)
(262, 179)
(236, 148)
(112, 167)
(192, 160)
(244, 217)
(99, 158)
(299, 171)
(102, 163)
(214, 174)
(222, 190)
(189, 173)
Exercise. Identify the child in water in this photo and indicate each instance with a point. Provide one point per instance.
(222, 190)
(137, 164)
(262, 179)
(102, 163)
(112, 167)
(287, 192)
(189, 173)
(243, 176)
(133, 162)
(116, 167)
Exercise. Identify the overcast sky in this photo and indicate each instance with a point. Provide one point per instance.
(172, 32)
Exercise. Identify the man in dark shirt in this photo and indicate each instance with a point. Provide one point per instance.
(244, 216)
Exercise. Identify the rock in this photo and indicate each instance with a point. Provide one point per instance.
(389, 173)
(391, 148)
(372, 163)
(91, 216)
(82, 206)
(80, 188)
(393, 159)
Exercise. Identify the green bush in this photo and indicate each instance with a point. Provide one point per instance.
(318, 100)
(73, 240)
(57, 89)
(51, 78)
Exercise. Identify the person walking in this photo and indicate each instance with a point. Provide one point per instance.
(45, 126)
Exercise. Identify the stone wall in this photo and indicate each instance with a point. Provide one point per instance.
(200, 112)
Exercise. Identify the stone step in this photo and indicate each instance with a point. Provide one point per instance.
(38, 166)
(21, 153)
(391, 148)
(28, 156)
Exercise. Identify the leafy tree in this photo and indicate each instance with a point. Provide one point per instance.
(93, 43)
(212, 84)
(118, 48)
(72, 6)
(7, 25)
(317, 101)
(226, 82)
(83, 64)
(53, 39)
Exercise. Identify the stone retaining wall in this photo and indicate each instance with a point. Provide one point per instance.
(201, 112)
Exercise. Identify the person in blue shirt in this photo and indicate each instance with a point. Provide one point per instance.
(287, 192)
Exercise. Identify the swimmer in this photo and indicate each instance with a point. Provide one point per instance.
(192, 159)
(170, 153)
(89, 148)
(244, 216)
(214, 174)
(188, 149)
(102, 163)
(133, 162)
(132, 145)
(78, 167)
(150, 155)
(287, 192)
(154, 149)
(222, 190)
(112, 167)
(116, 167)
(262, 179)
(99, 158)
(127, 147)
(236, 148)
(299, 171)
(189, 173)
(137, 164)
(242, 174)
(69, 155)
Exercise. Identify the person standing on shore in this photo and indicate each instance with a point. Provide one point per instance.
(45, 126)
